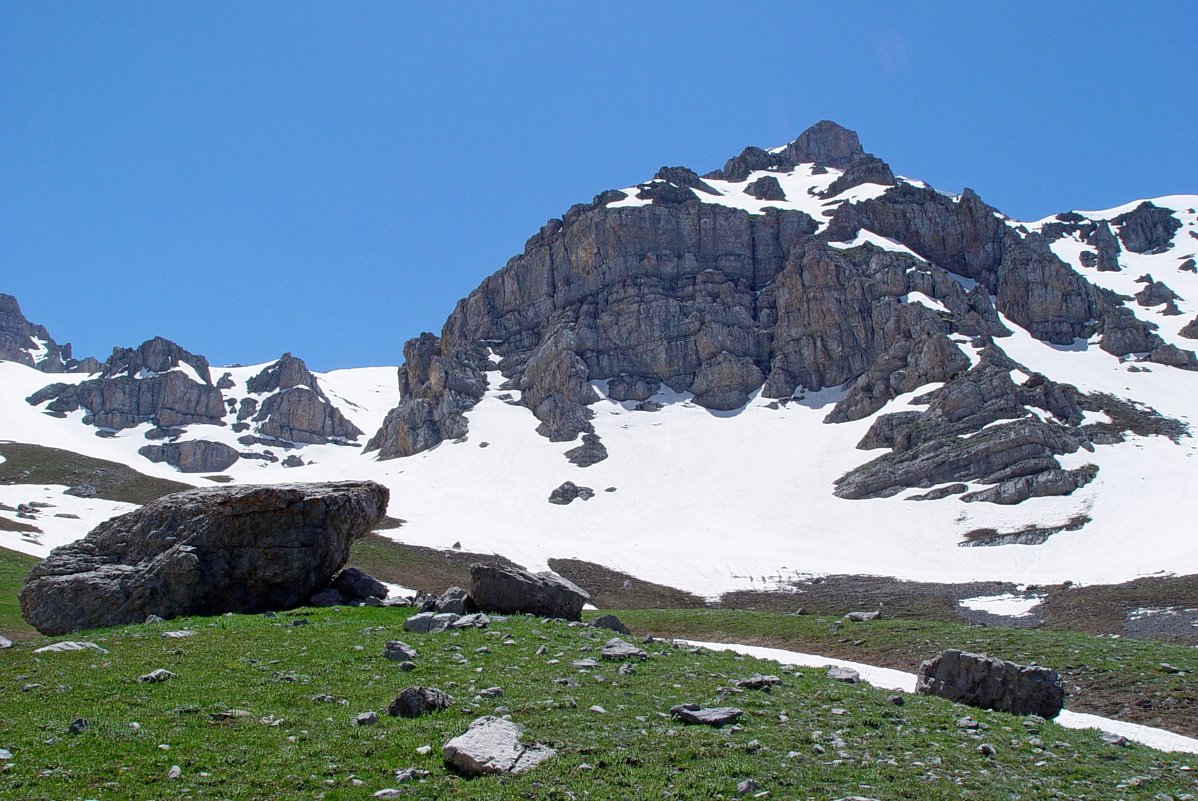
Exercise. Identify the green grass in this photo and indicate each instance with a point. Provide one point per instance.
(1115, 677)
(13, 569)
(272, 669)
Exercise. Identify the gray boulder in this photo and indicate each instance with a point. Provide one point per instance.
(618, 650)
(612, 623)
(416, 701)
(509, 590)
(203, 552)
(492, 745)
(358, 586)
(456, 601)
(193, 456)
(430, 622)
(991, 683)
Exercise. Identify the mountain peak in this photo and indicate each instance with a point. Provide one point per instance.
(826, 143)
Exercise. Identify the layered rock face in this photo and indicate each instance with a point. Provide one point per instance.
(203, 552)
(681, 283)
(157, 382)
(31, 345)
(170, 388)
(296, 409)
(991, 683)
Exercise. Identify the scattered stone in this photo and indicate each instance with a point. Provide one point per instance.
(510, 590)
(152, 619)
(492, 745)
(1167, 668)
(897, 700)
(715, 716)
(456, 601)
(847, 675)
(585, 664)
(180, 634)
(156, 676)
(174, 773)
(748, 785)
(416, 701)
(617, 649)
(5, 642)
(398, 651)
(81, 491)
(611, 622)
(389, 792)
(987, 750)
(991, 683)
(430, 622)
(862, 617)
(758, 682)
(78, 726)
(626, 669)
(598, 710)
(477, 620)
(69, 646)
(568, 492)
(408, 774)
(366, 719)
(491, 692)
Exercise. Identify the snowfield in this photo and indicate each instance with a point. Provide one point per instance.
(718, 501)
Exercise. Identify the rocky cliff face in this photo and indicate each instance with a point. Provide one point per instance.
(31, 344)
(789, 271)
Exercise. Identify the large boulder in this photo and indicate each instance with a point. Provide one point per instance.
(193, 455)
(203, 552)
(509, 590)
(492, 745)
(991, 683)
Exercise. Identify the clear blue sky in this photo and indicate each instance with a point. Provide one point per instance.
(329, 178)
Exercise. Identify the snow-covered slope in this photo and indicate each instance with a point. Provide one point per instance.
(712, 501)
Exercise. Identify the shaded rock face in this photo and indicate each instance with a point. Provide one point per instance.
(1147, 228)
(863, 169)
(990, 683)
(296, 409)
(167, 400)
(31, 345)
(509, 590)
(825, 143)
(203, 552)
(192, 456)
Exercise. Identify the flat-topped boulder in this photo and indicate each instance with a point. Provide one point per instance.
(509, 590)
(991, 683)
(204, 552)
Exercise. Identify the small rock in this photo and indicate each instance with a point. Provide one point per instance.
(424, 750)
(1167, 668)
(175, 772)
(416, 701)
(177, 635)
(78, 726)
(585, 664)
(491, 692)
(618, 649)
(5, 754)
(151, 619)
(406, 666)
(389, 792)
(398, 651)
(155, 676)
(366, 719)
(611, 622)
(408, 774)
(747, 786)
(5, 642)
(758, 682)
(70, 646)
(862, 617)
(987, 750)
(847, 675)
(714, 716)
(626, 669)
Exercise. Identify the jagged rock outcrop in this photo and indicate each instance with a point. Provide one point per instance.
(825, 143)
(863, 169)
(766, 188)
(961, 437)
(193, 456)
(1190, 329)
(203, 552)
(296, 408)
(1147, 228)
(31, 345)
(152, 383)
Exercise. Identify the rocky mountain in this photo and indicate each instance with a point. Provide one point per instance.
(27, 343)
(736, 378)
(792, 271)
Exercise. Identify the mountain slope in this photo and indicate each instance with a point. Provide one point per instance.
(797, 364)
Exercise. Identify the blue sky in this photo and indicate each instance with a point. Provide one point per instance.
(330, 178)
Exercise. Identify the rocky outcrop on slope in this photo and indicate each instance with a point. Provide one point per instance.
(203, 552)
(1147, 228)
(825, 143)
(978, 427)
(31, 345)
(146, 384)
(192, 456)
(296, 409)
